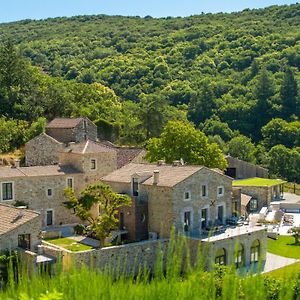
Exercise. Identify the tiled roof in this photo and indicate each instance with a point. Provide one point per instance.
(125, 155)
(89, 147)
(9, 172)
(245, 199)
(12, 217)
(64, 123)
(168, 175)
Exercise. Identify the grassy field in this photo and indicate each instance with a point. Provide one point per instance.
(257, 182)
(285, 272)
(284, 246)
(69, 244)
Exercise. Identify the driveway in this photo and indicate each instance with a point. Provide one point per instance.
(274, 262)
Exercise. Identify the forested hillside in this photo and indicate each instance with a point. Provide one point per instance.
(235, 76)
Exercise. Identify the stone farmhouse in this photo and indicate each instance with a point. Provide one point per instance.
(192, 199)
(19, 227)
(60, 132)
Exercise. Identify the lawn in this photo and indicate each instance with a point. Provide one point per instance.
(284, 246)
(257, 182)
(69, 244)
(285, 272)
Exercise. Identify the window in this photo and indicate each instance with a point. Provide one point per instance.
(220, 191)
(187, 221)
(221, 257)
(24, 241)
(253, 204)
(187, 196)
(70, 183)
(239, 256)
(49, 217)
(220, 214)
(49, 192)
(7, 191)
(93, 164)
(204, 190)
(135, 186)
(254, 251)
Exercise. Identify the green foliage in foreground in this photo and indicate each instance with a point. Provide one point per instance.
(284, 246)
(90, 284)
(70, 244)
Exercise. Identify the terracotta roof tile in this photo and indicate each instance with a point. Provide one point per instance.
(89, 147)
(168, 175)
(9, 172)
(12, 217)
(64, 123)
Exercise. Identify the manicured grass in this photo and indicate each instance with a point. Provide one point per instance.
(284, 246)
(257, 182)
(69, 244)
(285, 272)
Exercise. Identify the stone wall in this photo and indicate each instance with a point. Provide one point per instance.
(126, 259)
(197, 202)
(230, 244)
(245, 169)
(77, 134)
(32, 227)
(32, 190)
(42, 150)
(263, 194)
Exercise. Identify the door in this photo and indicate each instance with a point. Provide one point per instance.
(187, 221)
(204, 218)
(220, 214)
(49, 218)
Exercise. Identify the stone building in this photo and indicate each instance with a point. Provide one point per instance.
(191, 198)
(42, 150)
(240, 169)
(19, 228)
(262, 192)
(67, 130)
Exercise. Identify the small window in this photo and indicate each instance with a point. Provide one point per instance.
(49, 192)
(187, 196)
(24, 241)
(204, 191)
(253, 204)
(135, 186)
(93, 164)
(7, 191)
(220, 191)
(70, 183)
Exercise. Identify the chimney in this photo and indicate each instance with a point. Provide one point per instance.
(17, 163)
(155, 177)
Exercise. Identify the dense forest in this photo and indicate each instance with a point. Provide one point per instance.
(235, 77)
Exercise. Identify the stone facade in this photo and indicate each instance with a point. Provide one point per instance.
(168, 207)
(240, 169)
(42, 151)
(9, 240)
(82, 131)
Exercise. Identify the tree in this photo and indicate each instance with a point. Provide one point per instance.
(102, 196)
(242, 147)
(295, 231)
(289, 94)
(284, 162)
(180, 140)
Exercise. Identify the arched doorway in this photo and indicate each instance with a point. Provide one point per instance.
(220, 258)
(255, 251)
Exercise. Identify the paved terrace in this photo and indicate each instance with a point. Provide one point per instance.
(225, 233)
